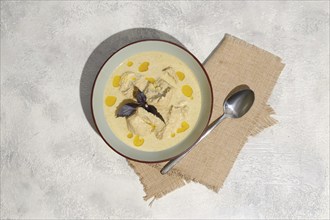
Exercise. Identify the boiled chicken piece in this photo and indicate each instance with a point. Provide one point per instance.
(143, 123)
(159, 93)
(175, 115)
(129, 80)
(170, 76)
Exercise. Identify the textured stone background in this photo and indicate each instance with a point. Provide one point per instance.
(53, 164)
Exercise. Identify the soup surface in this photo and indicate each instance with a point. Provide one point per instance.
(169, 88)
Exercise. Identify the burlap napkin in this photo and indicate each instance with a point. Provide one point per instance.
(234, 62)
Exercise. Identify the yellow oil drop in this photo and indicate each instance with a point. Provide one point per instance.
(129, 63)
(137, 141)
(184, 127)
(134, 78)
(180, 75)
(130, 135)
(150, 79)
(173, 135)
(144, 67)
(187, 90)
(116, 81)
(110, 100)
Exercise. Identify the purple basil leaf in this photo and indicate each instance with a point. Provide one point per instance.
(152, 109)
(127, 110)
(140, 97)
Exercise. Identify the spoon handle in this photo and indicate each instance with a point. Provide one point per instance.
(209, 129)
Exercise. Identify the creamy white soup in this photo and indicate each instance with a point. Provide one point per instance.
(168, 87)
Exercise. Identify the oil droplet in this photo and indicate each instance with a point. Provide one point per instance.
(144, 67)
(180, 75)
(173, 135)
(129, 63)
(187, 90)
(110, 100)
(138, 141)
(130, 135)
(150, 79)
(116, 81)
(184, 127)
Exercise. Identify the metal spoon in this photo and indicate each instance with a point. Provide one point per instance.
(234, 107)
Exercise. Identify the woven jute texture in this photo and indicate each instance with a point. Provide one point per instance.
(233, 65)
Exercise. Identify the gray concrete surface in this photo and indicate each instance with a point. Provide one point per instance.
(54, 165)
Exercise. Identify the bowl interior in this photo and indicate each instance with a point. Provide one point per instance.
(102, 79)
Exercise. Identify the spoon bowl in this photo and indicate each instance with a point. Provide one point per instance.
(239, 103)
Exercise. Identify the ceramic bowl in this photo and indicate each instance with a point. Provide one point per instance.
(102, 78)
